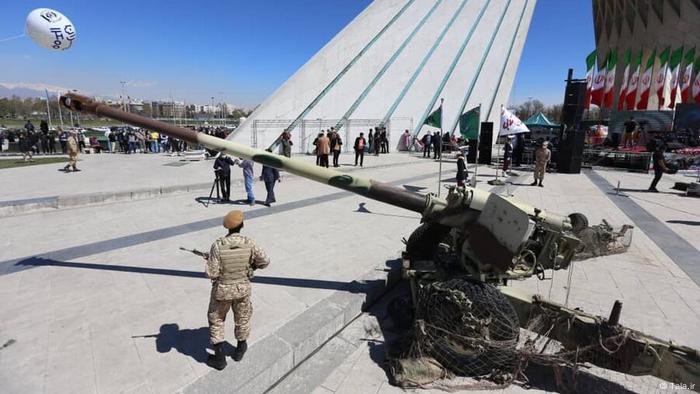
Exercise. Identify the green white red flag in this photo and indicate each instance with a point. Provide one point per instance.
(590, 69)
(610, 79)
(631, 99)
(687, 77)
(645, 82)
(625, 79)
(660, 75)
(598, 87)
(696, 84)
(675, 66)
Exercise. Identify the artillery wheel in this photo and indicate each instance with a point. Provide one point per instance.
(423, 242)
(472, 328)
(579, 221)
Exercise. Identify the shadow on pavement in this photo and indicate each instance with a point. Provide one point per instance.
(646, 191)
(414, 189)
(567, 380)
(189, 342)
(353, 286)
(361, 209)
(686, 222)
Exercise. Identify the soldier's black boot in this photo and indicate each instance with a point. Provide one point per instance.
(241, 347)
(218, 359)
(540, 185)
(534, 183)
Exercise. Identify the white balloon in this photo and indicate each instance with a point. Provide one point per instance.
(50, 29)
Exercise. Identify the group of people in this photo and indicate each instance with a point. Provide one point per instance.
(130, 140)
(269, 175)
(32, 141)
(436, 142)
(328, 142)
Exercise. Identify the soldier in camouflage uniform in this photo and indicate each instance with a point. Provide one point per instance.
(72, 152)
(230, 265)
(542, 157)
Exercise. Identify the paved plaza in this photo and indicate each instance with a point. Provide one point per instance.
(97, 296)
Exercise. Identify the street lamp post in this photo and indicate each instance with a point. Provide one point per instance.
(124, 95)
(211, 110)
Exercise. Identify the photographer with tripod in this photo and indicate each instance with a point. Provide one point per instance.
(222, 168)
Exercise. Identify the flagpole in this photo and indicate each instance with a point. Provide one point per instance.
(48, 107)
(478, 138)
(60, 115)
(440, 150)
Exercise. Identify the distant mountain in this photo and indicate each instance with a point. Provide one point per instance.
(28, 90)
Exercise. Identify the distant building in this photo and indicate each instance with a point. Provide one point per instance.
(168, 109)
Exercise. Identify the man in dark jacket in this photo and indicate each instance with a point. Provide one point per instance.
(336, 144)
(437, 145)
(44, 138)
(359, 146)
(222, 168)
(270, 176)
(659, 163)
(462, 172)
(427, 144)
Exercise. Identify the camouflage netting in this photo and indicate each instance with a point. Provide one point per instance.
(466, 336)
(603, 240)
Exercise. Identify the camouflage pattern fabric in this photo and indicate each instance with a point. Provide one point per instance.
(72, 151)
(242, 313)
(236, 295)
(542, 157)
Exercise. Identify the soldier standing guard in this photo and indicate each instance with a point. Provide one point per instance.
(72, 151)
(230, 266)
(542, 157)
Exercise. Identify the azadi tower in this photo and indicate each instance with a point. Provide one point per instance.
(392, 65)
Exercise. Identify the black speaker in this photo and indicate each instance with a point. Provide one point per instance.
(570, 151)
(574, 95)
(471, 155)
(485, 142)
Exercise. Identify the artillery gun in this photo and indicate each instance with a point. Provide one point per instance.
(458, 263)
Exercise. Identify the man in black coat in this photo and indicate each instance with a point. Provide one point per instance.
(462, 172)
(437, 145)
(222, 167)
(359, 146)
(270, 176)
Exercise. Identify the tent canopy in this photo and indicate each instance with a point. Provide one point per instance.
(538, 120)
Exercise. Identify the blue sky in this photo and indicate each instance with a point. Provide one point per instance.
(240, 51)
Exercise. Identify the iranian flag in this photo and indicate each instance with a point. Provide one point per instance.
(590, 68)
(645, 82)
(675, 63)
(660, 76)
(625, 79)
(598, 87)
(610, 79)
(631, 99)
(686, 78)
(696, 84)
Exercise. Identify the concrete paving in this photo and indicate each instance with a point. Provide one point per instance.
(98, 298)
(658, 296)
(103, 290)
(119, 177)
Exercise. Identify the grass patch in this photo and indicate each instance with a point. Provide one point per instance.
(17, 162)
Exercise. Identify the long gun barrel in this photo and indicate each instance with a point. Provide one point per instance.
(367, 187)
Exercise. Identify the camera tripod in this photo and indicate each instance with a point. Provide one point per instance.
(214, 185)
